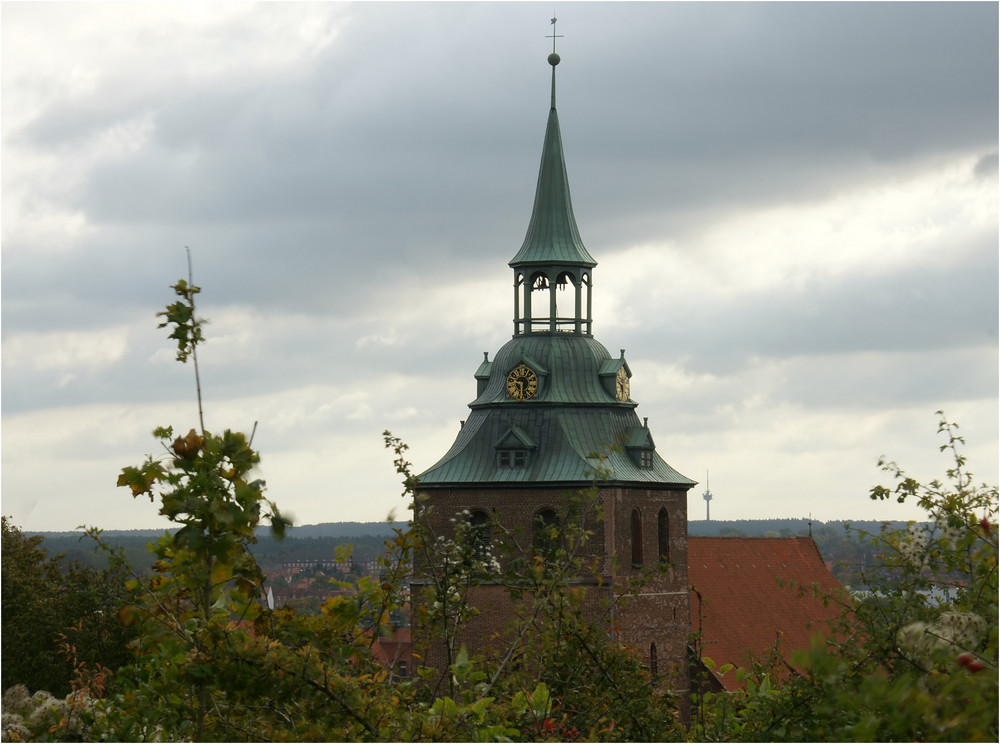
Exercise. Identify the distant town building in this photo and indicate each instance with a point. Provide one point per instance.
(395, 651)
(314, 578)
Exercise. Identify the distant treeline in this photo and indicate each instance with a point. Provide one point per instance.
(308, 542)
(781, 527)
(324, 529)
(345, 529)
(845, 549)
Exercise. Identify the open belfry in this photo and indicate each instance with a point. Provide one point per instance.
(553, 421)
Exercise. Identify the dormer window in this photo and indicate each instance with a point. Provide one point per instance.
(512, 458)
(646, 459)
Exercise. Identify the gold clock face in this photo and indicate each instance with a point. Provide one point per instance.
(522, 383)
(622, 391)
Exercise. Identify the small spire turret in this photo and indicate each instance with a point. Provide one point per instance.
(553, 255)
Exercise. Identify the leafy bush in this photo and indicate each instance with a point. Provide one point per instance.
(915, 657)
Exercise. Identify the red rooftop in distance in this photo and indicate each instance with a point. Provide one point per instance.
(747, 592)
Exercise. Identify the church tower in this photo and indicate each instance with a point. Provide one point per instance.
(553, 409)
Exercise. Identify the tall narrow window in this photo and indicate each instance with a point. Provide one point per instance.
(654, 670)
(636, 538)
(663, 534)
(480, 537)
(546, 532)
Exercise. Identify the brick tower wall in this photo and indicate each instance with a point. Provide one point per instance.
(488, 633)
(657, 613)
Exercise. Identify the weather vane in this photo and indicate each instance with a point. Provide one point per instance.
(553, 35)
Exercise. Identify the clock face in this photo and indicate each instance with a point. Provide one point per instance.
(622, 391)
(522, 383)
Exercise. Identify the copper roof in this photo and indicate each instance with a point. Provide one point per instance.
(574, 416)
(572, 421)
(552, 237)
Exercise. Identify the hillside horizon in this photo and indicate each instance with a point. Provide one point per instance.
(697, 527)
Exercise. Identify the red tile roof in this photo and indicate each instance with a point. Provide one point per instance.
(393, 649)
(751, 594)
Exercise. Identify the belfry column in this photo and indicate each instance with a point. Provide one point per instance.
(552, 306)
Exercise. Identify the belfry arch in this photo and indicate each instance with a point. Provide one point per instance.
(553, 300)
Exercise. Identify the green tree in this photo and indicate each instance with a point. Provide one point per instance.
(47, 600)
(914, 658)
(212, 661)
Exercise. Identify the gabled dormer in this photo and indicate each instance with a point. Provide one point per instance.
(483, 374)
(640, 446)
(515, 448)
(616, 378)
(526, 377)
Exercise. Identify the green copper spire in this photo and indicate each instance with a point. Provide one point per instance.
(552, 396)
(553, 237)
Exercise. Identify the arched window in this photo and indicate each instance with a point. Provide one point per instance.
(663, 534)
(653, 664)
(480, 535)
(636, 538)
(566, 303)
(546, 532)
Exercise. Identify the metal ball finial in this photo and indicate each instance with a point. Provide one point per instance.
(553, 59)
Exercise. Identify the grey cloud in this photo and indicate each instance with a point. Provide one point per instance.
(862, 382)
(405, 154)
(915, 310)
(771, 88)
(986, 166)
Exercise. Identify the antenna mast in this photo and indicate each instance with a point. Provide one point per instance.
(708, 498)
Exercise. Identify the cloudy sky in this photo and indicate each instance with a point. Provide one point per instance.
(793, 207)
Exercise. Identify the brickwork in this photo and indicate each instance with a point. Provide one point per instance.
(512, 512)
(656, 615)
(487, 634)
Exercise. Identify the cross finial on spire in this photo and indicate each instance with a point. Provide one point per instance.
(554, 58)
(554, 35)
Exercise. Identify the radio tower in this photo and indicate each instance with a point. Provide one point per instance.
(708, 500)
